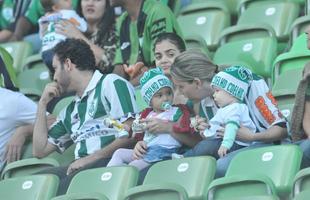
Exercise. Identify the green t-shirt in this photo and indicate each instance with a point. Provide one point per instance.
(6, 15)
(35, 10)
(136, 36)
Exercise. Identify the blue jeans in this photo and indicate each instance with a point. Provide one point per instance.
(223, 163)
(305, 147)
(209, 147)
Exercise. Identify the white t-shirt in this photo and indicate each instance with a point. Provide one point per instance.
(163, 139)
(15, 110)
(49, 37)
(237, 113)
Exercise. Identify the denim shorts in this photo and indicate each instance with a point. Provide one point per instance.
(158, 153)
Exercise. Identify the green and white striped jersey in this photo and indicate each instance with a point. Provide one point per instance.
(81, 121)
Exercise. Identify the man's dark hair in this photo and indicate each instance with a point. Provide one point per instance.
(47, 5)
(78, 51)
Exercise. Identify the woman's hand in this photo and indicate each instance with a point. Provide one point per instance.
(155, 125)
(68, 29)
(139, 150)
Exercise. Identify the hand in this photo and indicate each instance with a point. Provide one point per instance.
(51, 91)
(155, 125)
(133, 70)
(244, 134)
(68, 29)
(201, 124)
(139, 150)
(222, 151)
(79, 163)
(14, 146)
(220, 132)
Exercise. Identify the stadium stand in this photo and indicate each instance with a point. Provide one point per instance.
(101, 183)
(260, 171)
(20, 51)
(186, 178)
(36, 187)
(301, 182)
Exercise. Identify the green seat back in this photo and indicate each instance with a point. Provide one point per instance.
(277, 14)
(296, 58)
(206, 19)
(140, 102)
(238, 188)
(258, 54)
(7, 72)
(284, 90)
(197, 43)
(301, 182)
(33, 78)
(19, 51)
(184, 172)
(35, 187)
(62, 104)
(304, 195)
(111, 182)
(299, 26)
(30, 165)
(279, 163)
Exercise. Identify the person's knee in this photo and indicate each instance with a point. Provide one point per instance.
(305, 146)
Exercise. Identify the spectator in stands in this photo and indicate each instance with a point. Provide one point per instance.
(17, 113)
(159, 146)
(11, 10)
(97, 97)
(192, 72)
(27, 25)
(138, 29)
(101, 33)
(300, 129)
(56, 11)
(232, 114)
(166, 48)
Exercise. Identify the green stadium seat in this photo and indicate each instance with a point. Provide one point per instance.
(19, 51)
(277, 165)
(61, 104)
(198, 43)
(33, 78)
(35, 187)
(7, 72)
(299, 27)
(304, 195)
(102, 183)
(269, 15)
(33, 165)
(301, 182)
(140, 102)
(256, 54)
(27, 167)
(237, 187)
(206, 19)
(284, 90)
(296, 58)
(176, 179)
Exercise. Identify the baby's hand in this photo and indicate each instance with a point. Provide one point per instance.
(222, 151)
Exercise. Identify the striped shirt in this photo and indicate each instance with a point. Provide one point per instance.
(81, 121)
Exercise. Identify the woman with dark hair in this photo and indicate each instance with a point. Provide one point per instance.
(100, 33)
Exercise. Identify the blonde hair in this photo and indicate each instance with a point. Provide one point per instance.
(193, 64)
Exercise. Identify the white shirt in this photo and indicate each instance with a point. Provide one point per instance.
(15, 110)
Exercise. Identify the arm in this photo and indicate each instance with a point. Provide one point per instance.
(69, 30)
(41, 147)
(104, 153)
(306, 119)
(272, 134)
(5, 35)
(23, 27)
